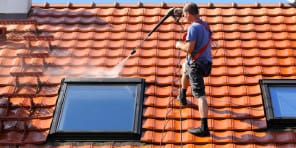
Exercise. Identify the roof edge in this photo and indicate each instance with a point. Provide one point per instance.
(162, 5)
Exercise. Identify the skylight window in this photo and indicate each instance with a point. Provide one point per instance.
(99, 110)
(279, 98)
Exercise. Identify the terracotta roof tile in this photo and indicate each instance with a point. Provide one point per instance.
(243, 137)
(252, 70)
(258, 124)
(270, 71)
(222, 137)
(222, 124)
(255, 41)
(253, 61)
(218, 101)
(287, 71)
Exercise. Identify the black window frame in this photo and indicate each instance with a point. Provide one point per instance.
(133, 135)
(272, 121)
(2, 33)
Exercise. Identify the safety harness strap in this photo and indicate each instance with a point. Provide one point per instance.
(201, 50)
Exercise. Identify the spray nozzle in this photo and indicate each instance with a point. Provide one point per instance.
(133, 52)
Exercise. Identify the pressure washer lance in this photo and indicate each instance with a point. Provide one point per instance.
(142, 41)
(133, 51)
(174, 12)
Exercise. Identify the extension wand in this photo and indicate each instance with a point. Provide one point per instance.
(169, 13)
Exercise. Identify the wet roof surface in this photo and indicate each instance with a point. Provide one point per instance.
(255, 41)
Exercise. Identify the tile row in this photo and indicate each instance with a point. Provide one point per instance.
(221, 56)
(97, 19)
(21, 113)
(217, 71)
(254, 61)
(9, 53)
(252, 27)
(155, 60)
(233, 76)
(170, 44)
(229, 145)
(28, 102)
(254, 53)
(244, 137)
(223, 78)
(268, 71)
(23, 137)
(264, 44)
(251, 19)
(267, 35)
(30, 80)
(21, 125)
(171, 35)
(234, 58)
(248, 12)
(214, 113)
(164, 27)
(98, 12)
(127, 19)
(161, 36)
(158, 11)
(215, 91)
(28, 91)
(159, 43)
(239, 73)
(17, 27)
(215, 102)
(214, 124)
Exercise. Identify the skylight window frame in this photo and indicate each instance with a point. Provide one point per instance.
(3, 33)
(133, 135)
(274, 122)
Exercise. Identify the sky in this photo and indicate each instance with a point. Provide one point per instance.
(159, 1)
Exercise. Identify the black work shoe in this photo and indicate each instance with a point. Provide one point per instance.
(199, 132)
(182, 98)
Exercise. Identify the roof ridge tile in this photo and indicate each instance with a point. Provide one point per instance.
(160, 5)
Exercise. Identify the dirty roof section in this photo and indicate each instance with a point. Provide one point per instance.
(255, 41)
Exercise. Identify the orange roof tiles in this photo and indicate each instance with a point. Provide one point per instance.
(67, 40)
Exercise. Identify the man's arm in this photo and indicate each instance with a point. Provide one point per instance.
(188, 46)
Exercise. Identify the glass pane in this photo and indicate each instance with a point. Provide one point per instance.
(283, 101)
(98, 108)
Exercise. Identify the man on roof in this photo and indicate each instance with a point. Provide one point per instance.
(197, 64)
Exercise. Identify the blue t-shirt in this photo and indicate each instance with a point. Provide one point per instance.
(198, 33)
